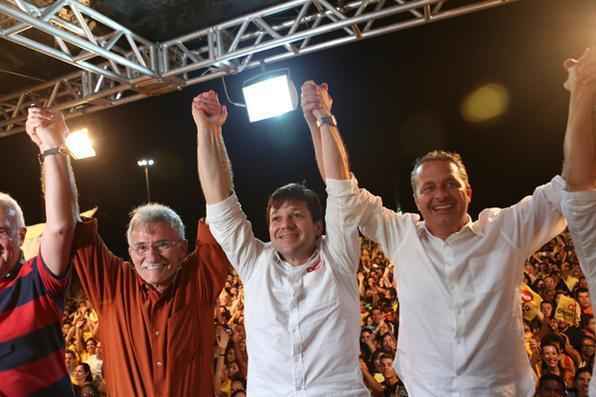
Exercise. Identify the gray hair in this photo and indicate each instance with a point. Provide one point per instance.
(12, 209)
(152, 213)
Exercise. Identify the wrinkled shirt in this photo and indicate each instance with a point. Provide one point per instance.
(302, 322)
(461, 327)
(580, 210)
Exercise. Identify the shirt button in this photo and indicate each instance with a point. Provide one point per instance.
(156, 333)
(159, 364)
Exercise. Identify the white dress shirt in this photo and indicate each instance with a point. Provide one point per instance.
(302, 322)
(461, 327)
(580, 210)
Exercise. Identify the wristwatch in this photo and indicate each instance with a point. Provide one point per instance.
(58, 150)
(328, 120)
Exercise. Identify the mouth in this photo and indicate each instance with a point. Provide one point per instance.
(443, 207)
(153, 266)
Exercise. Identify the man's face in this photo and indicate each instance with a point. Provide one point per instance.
(156, 251)
(549, 283)
(11, 239)
(551, 388)
(587, 349)
(70, 360)
(292, 230)
(584, 300)
(441, 195)
(582, 383)
(377, 315)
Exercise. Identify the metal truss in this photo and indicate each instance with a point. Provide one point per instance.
(119, 66)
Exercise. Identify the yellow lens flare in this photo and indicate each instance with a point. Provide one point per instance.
(485, 103)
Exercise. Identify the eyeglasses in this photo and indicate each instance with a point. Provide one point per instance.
(5, 233)
(161, 246)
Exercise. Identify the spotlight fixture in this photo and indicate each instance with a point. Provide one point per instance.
(269, 94)
(80, 145)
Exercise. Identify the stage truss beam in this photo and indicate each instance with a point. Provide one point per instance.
(119, 66)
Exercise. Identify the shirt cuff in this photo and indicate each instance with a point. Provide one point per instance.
(339, 187)
(580, 197)
(217, 210)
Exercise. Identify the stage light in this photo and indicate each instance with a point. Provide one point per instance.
(269, 94)
(80, 145)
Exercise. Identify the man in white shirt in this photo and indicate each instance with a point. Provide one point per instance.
(458, 280)
(301, 298)
(579, 198)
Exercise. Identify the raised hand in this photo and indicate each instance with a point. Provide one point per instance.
(582, 71)
(46, 128)
(316, 101)
(207, 112)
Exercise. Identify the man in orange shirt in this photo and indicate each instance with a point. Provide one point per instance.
(156, 313)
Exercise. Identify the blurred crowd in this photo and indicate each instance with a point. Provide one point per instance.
(559, 327)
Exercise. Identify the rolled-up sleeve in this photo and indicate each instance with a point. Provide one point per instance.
(580, 210)
(232, 230)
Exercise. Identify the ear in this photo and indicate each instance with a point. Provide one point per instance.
(319, 228)
(184, 245)
(416, 201)
(21, 233)
(469, 193)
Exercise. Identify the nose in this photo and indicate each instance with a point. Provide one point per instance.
(152, 253)
(287, 222)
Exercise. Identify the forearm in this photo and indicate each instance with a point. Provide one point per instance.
(333, 151)
(315, 134)
(579, 167)
(213, 166)
(61, 212)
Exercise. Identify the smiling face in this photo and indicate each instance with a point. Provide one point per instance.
(156, 250)
(11, 239)
(442, 196)
(550, 356)
(293, 232)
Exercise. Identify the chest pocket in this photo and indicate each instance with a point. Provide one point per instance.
(319, 288)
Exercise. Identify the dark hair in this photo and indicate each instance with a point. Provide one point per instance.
(580, 371)
(581, 290)
(296, 192)
(89, 377)
(551, 377)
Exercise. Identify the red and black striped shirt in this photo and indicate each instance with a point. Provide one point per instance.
(31, 341)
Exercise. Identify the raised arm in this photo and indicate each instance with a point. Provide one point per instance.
(579, 168)
(48, 131)
(330, 152)
(212, 159)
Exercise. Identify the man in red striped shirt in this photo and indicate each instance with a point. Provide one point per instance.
(32, 291)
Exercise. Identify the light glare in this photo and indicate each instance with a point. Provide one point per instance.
(145, 162)
(269, 98)
(80, 145)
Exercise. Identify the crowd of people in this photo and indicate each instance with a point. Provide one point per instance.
(559, 327)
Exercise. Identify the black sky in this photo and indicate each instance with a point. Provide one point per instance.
(396, 97)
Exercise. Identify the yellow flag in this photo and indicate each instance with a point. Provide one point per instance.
(567, 310)
(30, 246)
(530, 302)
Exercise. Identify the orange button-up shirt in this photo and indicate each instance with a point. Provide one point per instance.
(155, 345)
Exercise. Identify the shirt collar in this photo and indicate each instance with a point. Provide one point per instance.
(314, 257)
(424, 233)
(15, 270)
